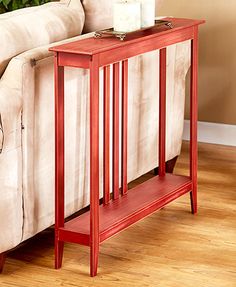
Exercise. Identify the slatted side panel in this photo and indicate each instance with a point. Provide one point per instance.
(115, 80)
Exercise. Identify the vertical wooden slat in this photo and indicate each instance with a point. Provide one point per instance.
(106, 167)
(124, 126)
(116, 79)
(162, 113)
(94, 165)
(59, 159)
(194, 119)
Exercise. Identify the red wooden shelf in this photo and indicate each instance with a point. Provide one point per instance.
(135, 205)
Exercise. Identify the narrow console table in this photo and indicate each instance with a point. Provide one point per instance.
(125, 208)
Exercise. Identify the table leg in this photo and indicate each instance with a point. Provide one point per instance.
(94, 165)
(194, 119)
(59, 160)
(162, 113)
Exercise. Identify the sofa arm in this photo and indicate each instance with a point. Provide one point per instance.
(10, 166)
(32, 73)
(15, 84)
(42, 52)
(25, 29)
(14, 153)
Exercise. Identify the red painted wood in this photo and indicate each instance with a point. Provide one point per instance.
(74, 60)
(94, 165)
(144, 46)
(162, 113)
(116, 124)
(124, 181)
(2, 261)
(194, 119)
(138, 203)
(106, 167)
(59, 159)
(102, 222)
(72, 236)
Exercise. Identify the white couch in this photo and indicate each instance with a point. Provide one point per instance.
(27, 114)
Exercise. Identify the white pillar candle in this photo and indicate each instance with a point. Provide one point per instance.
(127, 16)
(148, 13)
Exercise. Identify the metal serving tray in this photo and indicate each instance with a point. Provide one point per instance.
(123, 35)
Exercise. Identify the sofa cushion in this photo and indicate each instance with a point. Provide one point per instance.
(32, 27)
(98, 14)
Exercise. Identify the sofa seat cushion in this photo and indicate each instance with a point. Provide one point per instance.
(99, 14)
(32, 27)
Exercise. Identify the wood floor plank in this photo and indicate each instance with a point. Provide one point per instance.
(170, 248)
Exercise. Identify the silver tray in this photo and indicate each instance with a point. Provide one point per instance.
(123, 35)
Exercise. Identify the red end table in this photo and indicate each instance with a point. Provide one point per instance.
(103, 221)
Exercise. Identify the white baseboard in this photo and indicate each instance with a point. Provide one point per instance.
(213, 133)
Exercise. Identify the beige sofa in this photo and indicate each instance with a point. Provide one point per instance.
(27, 114)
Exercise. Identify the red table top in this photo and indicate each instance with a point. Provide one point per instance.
(92, 46)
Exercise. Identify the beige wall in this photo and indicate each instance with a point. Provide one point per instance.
(217, 74)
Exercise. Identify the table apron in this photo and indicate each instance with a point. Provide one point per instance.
(135, 49)
(74, 60)
(129, 51)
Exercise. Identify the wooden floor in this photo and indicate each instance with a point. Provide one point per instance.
(171, 248)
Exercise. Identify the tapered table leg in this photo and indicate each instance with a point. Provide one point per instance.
(59, 160)
(194, 119)
(94, 165)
